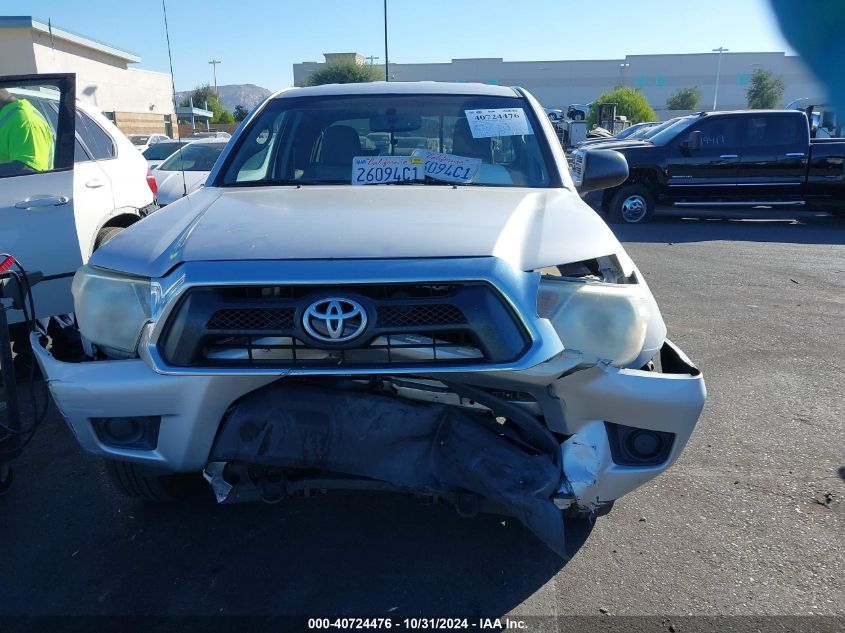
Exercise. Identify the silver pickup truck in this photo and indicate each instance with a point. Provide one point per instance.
(382, 286)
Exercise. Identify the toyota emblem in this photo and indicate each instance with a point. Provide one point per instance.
(334, 320)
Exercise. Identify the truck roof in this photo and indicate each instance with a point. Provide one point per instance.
(757, 112)
(398, 87)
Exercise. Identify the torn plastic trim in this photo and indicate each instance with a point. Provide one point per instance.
(428, 448)
(585, 455)
(608, 269)
(669, 402)
(527, 423)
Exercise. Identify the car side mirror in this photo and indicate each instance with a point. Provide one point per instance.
(599, 169)
(693, 141)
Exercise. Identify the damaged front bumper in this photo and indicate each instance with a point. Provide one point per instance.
(614, 429)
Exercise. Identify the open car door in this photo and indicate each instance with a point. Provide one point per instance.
(37, 224)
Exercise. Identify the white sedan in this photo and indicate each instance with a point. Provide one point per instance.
(186, 170)
(143, 141)
(160, 152)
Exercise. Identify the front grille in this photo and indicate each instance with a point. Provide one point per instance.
(252, 319)
(414, 315)
(392, 349)
(407, 325)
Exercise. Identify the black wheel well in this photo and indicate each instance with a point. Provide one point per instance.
(644, 177)
(123, 220)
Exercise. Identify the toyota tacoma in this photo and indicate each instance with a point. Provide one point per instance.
(388, 286)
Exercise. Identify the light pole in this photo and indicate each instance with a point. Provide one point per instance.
(386, 62)
(622, 68)
(719, 50)
(214, 63)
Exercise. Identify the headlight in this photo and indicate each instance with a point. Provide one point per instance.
(602, 321)
(111, 308)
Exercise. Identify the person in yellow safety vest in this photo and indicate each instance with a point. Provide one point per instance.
(26, 139)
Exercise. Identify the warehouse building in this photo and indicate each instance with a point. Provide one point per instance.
(136, 100)
(559, 83)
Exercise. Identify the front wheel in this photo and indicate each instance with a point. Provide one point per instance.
(105, 234)
(578, 116)
(129, 479)
(632, 204)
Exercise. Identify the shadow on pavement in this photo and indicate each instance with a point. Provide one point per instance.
(749, 225)
(76, 547)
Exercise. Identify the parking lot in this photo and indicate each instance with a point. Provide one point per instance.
(749, 521)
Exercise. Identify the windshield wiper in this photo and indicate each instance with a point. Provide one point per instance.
(264, 182)
(428, 181)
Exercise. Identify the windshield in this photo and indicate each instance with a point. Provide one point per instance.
(161, 150)
(194, 157)
(139, 140)
(641, 130)
(666, 134)
(391, 139)
(629, 132)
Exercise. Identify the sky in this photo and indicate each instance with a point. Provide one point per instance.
(258, 41)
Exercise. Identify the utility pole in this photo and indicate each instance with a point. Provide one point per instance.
(622, 68)
(719, 50)
(214, 63)
(386, 63)
(371, 59)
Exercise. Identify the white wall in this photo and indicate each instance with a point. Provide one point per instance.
(103, 80)
(558, 83)
(16, 57)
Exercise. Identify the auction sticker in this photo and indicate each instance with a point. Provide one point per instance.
(498, 122)
(375, 170)
(448, 167)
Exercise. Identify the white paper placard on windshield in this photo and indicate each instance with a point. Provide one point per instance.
(376, 170)
(498, 122)
(448, 167)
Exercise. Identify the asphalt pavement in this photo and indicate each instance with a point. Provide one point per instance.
(750, 520)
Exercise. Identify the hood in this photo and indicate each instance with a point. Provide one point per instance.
(613, 143)
(530, 228)
(171, 186)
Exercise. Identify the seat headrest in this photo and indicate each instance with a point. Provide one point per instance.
(463, 143)
(340, 145)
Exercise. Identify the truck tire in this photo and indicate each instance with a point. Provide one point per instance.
(105, 234)
(128, 479)
(632, 204)
(577, 116)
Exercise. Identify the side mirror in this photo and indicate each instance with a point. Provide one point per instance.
(599, 169)
(693, 141)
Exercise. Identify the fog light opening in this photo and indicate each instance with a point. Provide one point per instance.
(138, 432)
(630, 446)
(644, 444)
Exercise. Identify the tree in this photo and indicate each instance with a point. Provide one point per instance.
(765, 90)
(205, 97)
(240, 113)
(344, 73)
(223, 117)
(684, 99)
(631, 103)
(201, 96)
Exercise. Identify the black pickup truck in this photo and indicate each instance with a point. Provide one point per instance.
(741, 158)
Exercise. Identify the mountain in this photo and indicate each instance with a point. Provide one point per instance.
(231, 95)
